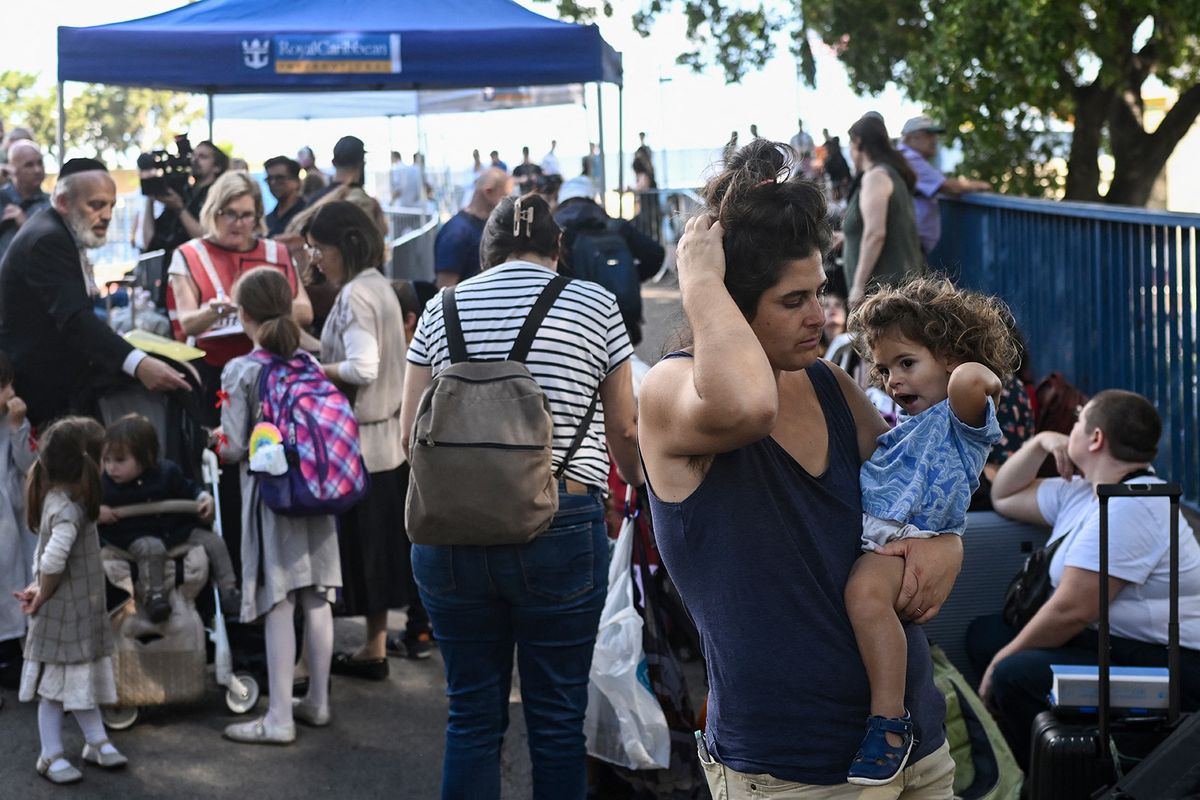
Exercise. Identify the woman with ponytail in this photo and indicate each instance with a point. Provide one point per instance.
(752, 446)
(285, 560)
(362, 350)
(881, 246)
(545, 596)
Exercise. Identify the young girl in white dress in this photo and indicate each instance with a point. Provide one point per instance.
(286, 561)
(68, 650)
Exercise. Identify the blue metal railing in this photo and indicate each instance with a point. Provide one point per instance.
(1105, 294)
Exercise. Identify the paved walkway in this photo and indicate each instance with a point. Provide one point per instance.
(385, 742)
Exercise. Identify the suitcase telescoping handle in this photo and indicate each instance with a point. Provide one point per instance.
(1105, 492)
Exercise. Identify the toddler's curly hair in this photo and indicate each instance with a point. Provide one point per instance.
(956, 325)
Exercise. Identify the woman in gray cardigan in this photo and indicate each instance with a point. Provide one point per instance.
(363, 351)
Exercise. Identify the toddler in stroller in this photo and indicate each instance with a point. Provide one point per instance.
(133, 474)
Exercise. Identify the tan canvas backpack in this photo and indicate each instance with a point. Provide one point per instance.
(481, 454)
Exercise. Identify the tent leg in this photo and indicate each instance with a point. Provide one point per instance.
(621, 147)
(62, 125)
(420, 127)
(600, 140)
(211, 116)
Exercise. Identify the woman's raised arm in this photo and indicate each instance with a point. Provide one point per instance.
(727, 395)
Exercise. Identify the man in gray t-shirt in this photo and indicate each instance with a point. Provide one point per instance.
(919, 144)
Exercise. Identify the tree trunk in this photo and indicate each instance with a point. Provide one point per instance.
(1083, 168)
(1141, 156)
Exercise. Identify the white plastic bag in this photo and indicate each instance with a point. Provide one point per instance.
(624, 723)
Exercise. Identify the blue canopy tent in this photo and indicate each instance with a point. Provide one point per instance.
(238, 46)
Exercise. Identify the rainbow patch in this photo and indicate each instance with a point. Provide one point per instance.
(264, 434)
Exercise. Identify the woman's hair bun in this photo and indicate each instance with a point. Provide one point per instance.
(747, 169)
(770, 218)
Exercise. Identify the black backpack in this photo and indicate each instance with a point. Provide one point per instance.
(600, 254)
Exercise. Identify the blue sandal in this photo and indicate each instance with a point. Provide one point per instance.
(877, 762)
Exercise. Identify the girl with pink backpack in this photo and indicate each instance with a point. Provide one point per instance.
(286, 559)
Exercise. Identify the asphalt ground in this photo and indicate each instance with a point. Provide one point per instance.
(385, 742)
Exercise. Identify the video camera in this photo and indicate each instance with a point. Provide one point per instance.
(170, 171)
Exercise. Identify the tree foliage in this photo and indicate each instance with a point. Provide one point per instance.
(1006, 76)
(22, 105)
(109, 122)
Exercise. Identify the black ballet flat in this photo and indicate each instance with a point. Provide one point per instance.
(371, 669)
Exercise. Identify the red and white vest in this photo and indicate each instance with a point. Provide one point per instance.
(215, 270)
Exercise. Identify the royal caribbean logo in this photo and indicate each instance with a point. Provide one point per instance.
(256, 53)
(345, 53)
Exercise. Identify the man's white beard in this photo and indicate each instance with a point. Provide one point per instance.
(83, 233)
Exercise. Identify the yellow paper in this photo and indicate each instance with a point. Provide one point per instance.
(162, 346)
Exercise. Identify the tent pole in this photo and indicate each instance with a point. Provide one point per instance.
(621, 147)
(211, 115)
(391, 145)
(600, 138)
(420, 131)
(62, 125)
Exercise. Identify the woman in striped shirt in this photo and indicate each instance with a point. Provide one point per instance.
(545, 596)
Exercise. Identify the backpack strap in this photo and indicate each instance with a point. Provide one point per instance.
(537, 315)
(455, 342)
(580, 432)
(255, 406)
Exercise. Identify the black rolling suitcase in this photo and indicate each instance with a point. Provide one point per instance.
(1171, 772)
(1074, 759)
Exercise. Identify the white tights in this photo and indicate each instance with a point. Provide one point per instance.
(50, 722)
(281, 652)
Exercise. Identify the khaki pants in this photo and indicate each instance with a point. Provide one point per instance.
(931, 778)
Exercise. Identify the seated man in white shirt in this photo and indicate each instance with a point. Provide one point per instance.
(1114, 440)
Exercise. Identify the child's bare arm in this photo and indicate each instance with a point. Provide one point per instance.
(971, 384)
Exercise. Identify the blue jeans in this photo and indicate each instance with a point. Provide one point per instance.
(1021, 682)
(545, 597)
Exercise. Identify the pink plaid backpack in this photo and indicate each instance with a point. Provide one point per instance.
(326, 473)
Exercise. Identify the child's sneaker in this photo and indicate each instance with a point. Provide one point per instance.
(878, 762)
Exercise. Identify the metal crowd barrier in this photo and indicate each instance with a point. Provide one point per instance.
(1106, 294)
(404, 219)
(412, 253)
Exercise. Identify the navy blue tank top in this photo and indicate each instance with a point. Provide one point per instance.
(761, 552)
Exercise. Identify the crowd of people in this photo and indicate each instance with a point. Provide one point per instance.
(835, 477)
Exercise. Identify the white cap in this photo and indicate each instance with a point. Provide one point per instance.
(581, 186)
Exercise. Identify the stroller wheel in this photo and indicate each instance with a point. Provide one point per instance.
(247, 698)
(119, 718)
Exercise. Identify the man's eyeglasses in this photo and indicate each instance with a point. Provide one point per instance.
(280, 178)
(231, 216)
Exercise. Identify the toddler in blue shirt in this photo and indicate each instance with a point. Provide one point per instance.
(942, 354)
